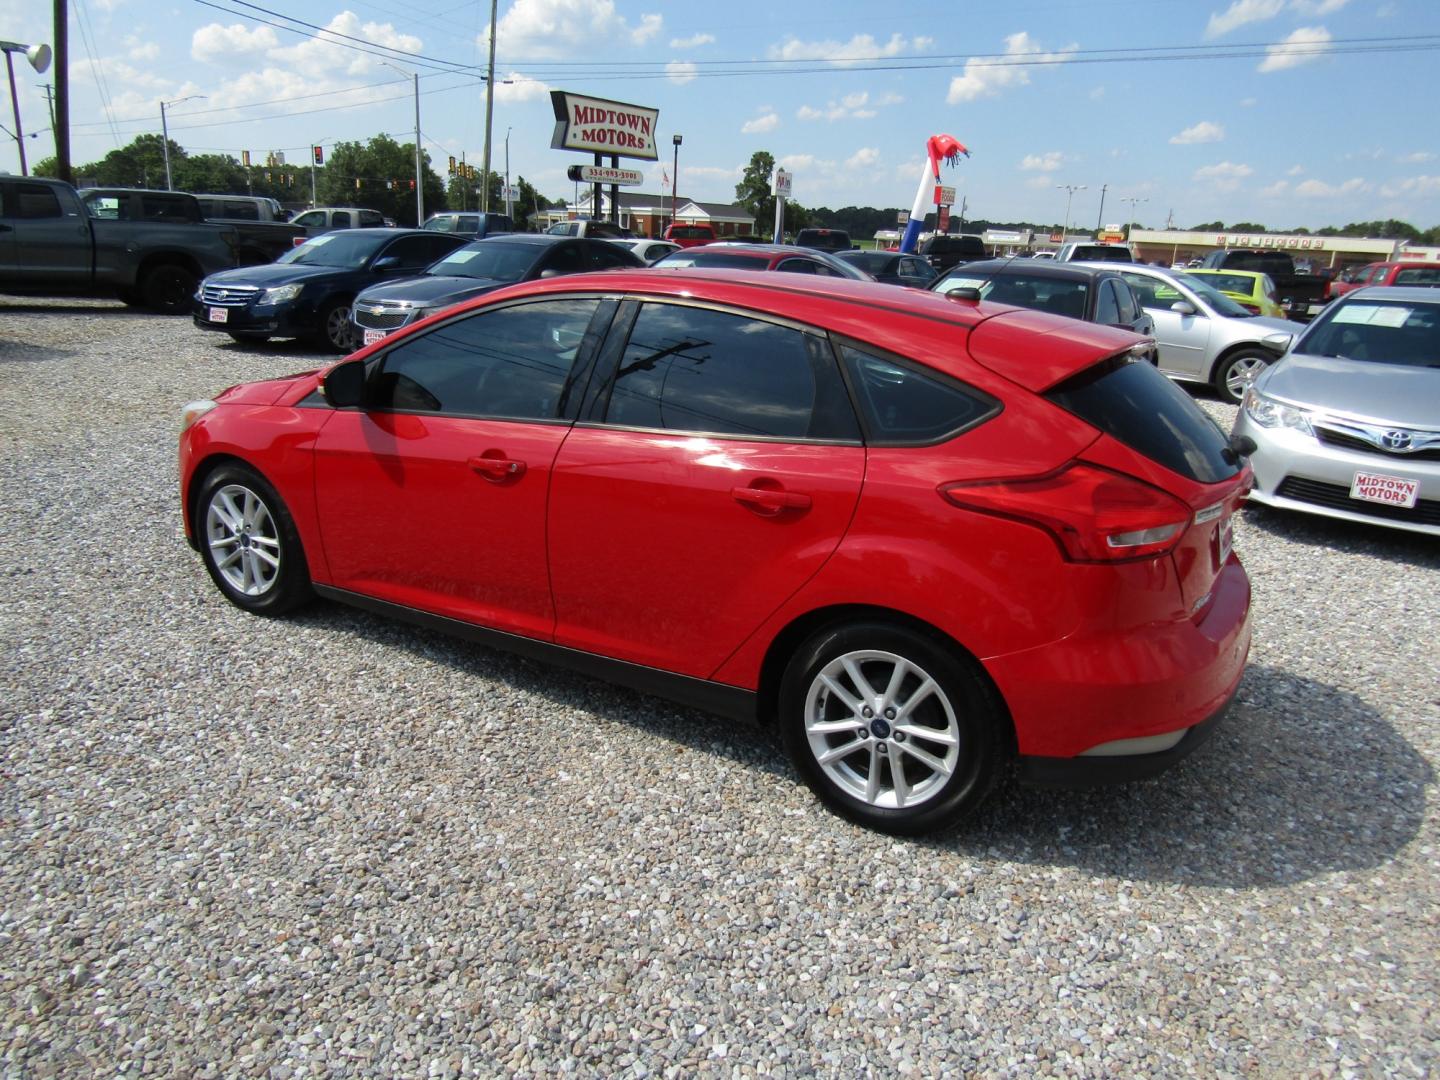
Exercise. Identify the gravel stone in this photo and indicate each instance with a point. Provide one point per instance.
(334, 845)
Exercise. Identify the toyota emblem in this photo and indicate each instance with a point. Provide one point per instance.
(1396, 440)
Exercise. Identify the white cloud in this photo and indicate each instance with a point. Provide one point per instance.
(1318, 189)
(1275, 190)
(648, 28)
(858, 48)
(1243, 12)
(1225, 176)
(856, 106)
(1038, 182)
(987, 77)
(558, 29)
(1301, 47)
(319, 57)
(694, 41)
(796, 162)
(1414, 185)
(1240, 13)
(867, 157)
(1295, 170)
(1097, 93)
(215, 42)
(760, 124)
(1249, 102)
(680, 71)
(1416, 158)
(1047, 162)
(515, 88)
(1206, 131)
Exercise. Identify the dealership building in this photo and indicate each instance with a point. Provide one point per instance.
(1319, 252)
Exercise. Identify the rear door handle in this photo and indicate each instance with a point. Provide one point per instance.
(498, 469)
(768, 500)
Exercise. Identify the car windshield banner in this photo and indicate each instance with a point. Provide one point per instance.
(603, 127)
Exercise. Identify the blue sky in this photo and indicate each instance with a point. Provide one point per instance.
(1285, 112)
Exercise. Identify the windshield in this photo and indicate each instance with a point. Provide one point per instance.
(719, 260)
(873, 261)
(1059, 296)
(502, 262)
(1378, 331)
(1229, 282)
(350, 248)
(1214, 297)
(453, 224)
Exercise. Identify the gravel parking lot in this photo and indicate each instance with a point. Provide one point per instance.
(330, 844)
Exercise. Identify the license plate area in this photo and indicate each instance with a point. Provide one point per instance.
(372, 336)
(219, 314)
(1224, 538)
(1387, 490)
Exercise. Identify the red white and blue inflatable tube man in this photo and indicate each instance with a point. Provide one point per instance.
(937, 147)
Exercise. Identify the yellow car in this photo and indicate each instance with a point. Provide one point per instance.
(1253, 291)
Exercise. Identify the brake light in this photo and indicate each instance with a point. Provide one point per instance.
(1253, 309)
(1094, 514)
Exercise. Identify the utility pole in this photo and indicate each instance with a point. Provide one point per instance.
(489, 114)
(508, 212)
(62, 91)
(50, 100)
(1101, 216)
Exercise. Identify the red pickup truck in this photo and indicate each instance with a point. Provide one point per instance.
(691, 235)
(1387, 273)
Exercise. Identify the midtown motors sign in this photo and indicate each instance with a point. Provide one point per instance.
(603, 127)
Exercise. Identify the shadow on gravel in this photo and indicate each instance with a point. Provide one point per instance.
(1300, 779)
(99, 307)
(1351, 537)
(275, 347)
(24, 352)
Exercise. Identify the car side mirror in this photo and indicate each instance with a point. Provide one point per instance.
(1183, 307)
(344, 384)
(386, 262)
(551, 273)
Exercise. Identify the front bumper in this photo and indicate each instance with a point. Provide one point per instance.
(1296, 471)
(256, 320)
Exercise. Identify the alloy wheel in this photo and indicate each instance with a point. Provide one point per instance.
(244, 540)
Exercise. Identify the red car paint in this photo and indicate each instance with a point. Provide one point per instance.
(696, 554)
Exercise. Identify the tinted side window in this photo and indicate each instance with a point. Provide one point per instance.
(687, 369)
(371, 219)
(165, 208)
(904, 406)
(798, 266)
(603, 256)
(311, 219)
(1418, 275)
(565, 258)
(413, 251)
(340, 219)
(437, 247)
(511, 363)
(1125, 300)
(1107, 308)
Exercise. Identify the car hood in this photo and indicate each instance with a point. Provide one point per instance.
(272, 274)
(432, 290)
(1387, 393)
(266, 392)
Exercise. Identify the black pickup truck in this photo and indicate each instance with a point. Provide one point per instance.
(51, 245)
(1301, 295)
(260, 241)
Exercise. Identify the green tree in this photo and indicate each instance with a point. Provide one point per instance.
(1248, 226)
(754, 193)
(1208, 226)
(379, 175)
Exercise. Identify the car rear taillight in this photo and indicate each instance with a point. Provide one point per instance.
(1094, 514)
(1253, 309)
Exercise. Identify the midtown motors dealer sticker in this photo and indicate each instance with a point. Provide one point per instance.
(1391, 490)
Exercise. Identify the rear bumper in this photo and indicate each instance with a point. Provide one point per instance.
(1087, 771)
(1072, 699)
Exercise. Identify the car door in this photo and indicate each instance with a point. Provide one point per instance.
(52, 247)
(714, 471)
(1183, 339)
(433, 495)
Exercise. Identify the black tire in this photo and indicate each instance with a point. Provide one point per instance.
(1235, 371)
(168, 288)
(248, 339)
(963, 722)
(249, 542)
(335, 332)
(130, 298)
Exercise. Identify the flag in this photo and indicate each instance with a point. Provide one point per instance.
(666, 175)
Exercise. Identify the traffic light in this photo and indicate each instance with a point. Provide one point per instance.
(245, 158)
(412, 185)
(319, 153)
(452, 164)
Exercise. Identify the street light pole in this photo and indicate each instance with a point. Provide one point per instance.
(675, 177)
(419, 174)
(165, 134)
(1070, 190)
(39, 57)
(1130, 226)
(489, 114)
(508, 211)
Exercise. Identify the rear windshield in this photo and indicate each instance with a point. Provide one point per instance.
(1102, 253)
(828, 239)
(1133, 403)
(691, 232)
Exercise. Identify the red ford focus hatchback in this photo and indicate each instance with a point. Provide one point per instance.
(921, 536)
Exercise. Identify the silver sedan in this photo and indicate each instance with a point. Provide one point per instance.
(1203, 335)
(1347, 424)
